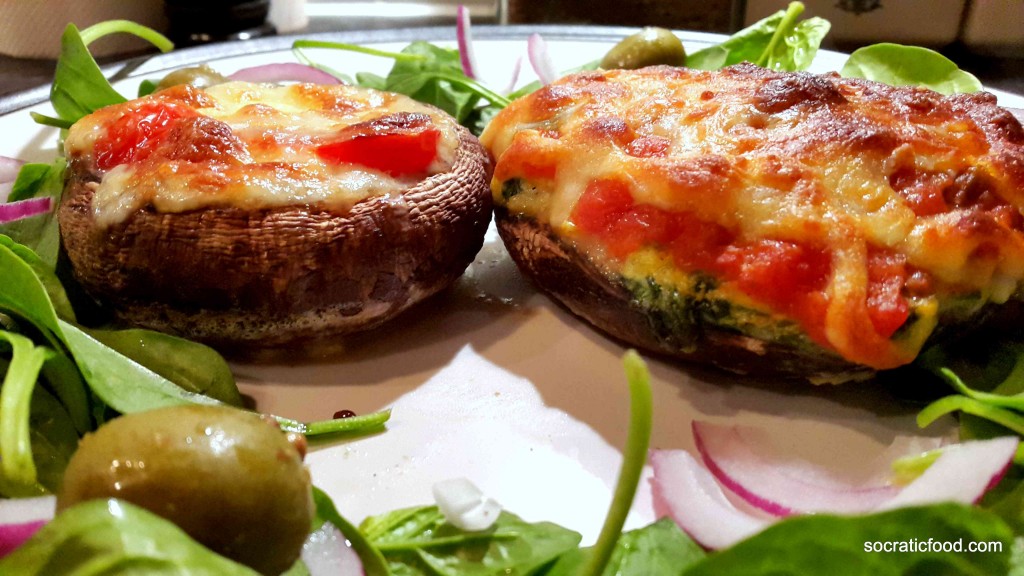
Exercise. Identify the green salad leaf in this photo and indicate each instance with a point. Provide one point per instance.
(113, 537)
(899, 65)
(418, 541)
(79, 86)
(660, 548)
(779, 42)
(826, 544)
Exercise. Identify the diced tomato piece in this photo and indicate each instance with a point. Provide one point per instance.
(775, 271)
(696, 244)
(641, 226)
(600, 205)
(887, 307)
(135, 134)
(398, 154)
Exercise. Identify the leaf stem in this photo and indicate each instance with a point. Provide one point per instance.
(400, 56)
(793, 12)
(364, 423)
(101, 29)
(635, 455)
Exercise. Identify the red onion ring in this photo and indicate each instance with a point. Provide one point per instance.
(540, 59)
(780, 488)
(9, 168)
(685, 491)
(464, 34)
(327, 553)
(12, 211)
(284, 72)
(23, 517)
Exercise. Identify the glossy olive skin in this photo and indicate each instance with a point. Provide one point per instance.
(648, 47)
(200, 76)
(231, 480)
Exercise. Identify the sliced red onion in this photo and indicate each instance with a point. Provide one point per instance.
(540, 59)
(23, 517)
(284, 72)
(962, 473)
(686, 492)
(11, 211)
(9, 168)
(516, 68)
(779, 487)
(327, 553)
(464, 33)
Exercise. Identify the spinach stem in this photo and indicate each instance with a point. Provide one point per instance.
(638, 439)
(15, 405)
(101, 29)
(793, 12)
(363, 423)
(401, 56)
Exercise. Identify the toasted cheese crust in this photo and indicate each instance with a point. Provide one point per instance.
(855, 209)
(244, 145)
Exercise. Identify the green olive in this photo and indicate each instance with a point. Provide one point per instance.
(199, 76)
(647, 47)
(231, 480)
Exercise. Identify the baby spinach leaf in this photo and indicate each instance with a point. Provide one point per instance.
(373, 561)
(190, 365)
(27, 359)
(779, 42)
(825, 544)
(899, 65)
(22, 294)
(418, 541)
(63, 379)
(660, 548)
(45, 275)
(120, 382)
(54, 439)
(79, 86)
(113, 537)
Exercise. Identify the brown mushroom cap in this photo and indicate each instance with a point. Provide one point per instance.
(572, 279)
(230, 276)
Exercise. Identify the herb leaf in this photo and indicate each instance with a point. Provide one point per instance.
(418, 541)
(115, 538)
(899, 65)
(826, 544)
(79, 86)
(779, 42)
(661, 548)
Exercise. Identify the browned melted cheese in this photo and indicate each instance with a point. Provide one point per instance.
(847, 166)
(246, 145)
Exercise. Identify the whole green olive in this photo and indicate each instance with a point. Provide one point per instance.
(231, 480)
(647, 47)
(201, 76)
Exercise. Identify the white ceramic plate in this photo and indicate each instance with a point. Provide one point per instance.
(490, 380)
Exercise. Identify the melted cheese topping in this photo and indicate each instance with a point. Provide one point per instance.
(846, 166)
(251, 146)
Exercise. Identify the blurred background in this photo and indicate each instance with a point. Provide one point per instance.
(985, 37)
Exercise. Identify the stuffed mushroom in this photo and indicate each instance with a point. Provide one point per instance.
(765, 222)
(253, 214)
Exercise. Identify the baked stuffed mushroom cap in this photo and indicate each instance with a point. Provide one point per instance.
(247, 214)
(765, 222)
